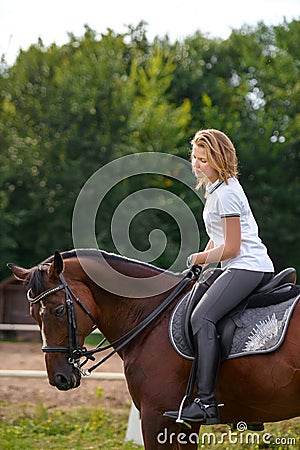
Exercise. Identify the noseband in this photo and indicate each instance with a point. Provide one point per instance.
(74, 351)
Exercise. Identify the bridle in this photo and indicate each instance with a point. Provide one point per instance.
(76, 352)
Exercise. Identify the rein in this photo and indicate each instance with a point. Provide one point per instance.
(74, 351)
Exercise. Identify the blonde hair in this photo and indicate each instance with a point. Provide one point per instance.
(220, 154)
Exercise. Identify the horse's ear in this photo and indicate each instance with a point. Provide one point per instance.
(19, 272)
(57, 266)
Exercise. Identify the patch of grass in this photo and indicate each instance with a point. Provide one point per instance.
(278, 436)
(99, 392)
(37, 427)
(94, 339)
(29, 427)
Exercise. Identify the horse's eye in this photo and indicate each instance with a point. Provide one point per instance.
(59, 311)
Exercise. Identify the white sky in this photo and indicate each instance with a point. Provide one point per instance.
(22, 22)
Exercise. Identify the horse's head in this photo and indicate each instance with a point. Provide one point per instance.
(63, 319)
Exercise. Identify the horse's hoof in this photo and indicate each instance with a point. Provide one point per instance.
(250, 427)
(256, 426)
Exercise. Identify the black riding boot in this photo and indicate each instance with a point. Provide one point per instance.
(204, 407)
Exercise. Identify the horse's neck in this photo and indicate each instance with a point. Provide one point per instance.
(118, 314)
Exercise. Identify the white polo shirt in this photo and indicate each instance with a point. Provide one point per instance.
(229, 200)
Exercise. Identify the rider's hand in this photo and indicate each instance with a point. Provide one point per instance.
(190, 260)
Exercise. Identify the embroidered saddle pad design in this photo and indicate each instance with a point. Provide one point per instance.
(259, 330)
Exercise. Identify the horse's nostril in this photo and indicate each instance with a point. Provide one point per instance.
(61, 382)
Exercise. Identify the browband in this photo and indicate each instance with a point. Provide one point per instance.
(43, 294)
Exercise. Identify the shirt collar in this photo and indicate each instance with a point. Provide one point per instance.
(213, 186)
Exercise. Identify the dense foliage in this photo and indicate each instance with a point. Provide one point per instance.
(66, 111)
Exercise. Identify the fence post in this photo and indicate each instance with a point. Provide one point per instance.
(134, 429)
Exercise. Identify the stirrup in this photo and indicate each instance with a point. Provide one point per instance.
(179, 419)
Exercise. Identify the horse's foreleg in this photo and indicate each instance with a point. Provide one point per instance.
(160, 433)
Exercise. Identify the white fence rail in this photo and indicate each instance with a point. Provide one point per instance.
(43, 374)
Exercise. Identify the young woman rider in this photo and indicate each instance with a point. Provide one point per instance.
(234, 242)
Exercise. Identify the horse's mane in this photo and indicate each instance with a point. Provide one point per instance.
(35, 278)
(110, 257)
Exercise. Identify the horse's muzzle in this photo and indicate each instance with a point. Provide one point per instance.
(64, 383)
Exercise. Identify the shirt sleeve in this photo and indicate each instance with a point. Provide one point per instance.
(229, 205)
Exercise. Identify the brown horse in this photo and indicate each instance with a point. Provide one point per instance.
(254, 389)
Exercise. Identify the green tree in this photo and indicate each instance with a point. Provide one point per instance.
(154, 124)
(65, 112)
(248, 87)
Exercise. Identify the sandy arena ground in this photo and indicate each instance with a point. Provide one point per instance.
(28, 356)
